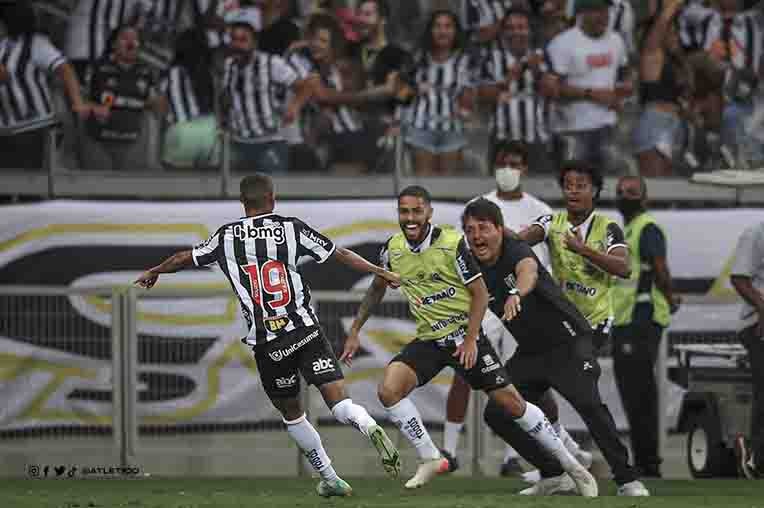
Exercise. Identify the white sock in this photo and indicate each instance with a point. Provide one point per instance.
(536, 424)
(451, 434)
(405, 416)
(566, 438)
(308, 440)
(345, 411)
(510, 453)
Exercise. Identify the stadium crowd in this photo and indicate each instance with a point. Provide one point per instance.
(660, 87)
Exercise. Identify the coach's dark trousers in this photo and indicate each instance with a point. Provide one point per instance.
(635, 351)
(755, 346)
(573, 371)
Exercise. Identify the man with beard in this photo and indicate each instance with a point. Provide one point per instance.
(555, 346)
(253, 86)
(520, 210)
(448, 299)
(642, 304)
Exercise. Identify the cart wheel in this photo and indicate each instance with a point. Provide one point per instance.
(706, 453)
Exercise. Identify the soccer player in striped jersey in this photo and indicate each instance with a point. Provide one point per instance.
(259, 256)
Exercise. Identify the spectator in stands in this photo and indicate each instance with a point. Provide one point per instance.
(444, 99)
(552, 21)
(381, 62)
(589, 81)
(734, 36)
(482, 18)
(209, 15)
(114, 138)
(279, 31)
(254, 95)
(187, 95)
(338, 124)
(707, 105)
(665, 82)
(92, 22)
(621, 19)
(27, 58)
(511, 73)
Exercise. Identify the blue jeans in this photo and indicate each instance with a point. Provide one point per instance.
(271, 157)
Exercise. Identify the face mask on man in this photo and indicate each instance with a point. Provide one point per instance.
(508, 178)
(628, 207)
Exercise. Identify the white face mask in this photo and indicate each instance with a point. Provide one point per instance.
(508, 178)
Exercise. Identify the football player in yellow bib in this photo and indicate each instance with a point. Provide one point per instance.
(448, 298)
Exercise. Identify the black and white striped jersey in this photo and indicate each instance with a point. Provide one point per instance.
(200, 9)
(344, 119)
(176, 86)
(25, 97)
(479, 13)
(740, 39)
(259, 256)
(256, 92)
(523, 116)
(440, 84)
(92, 22)
(167, 14)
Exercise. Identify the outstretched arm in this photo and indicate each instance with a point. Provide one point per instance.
(175, 263)
(353, 260)
(532, 235)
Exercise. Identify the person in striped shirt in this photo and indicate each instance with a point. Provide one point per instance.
(259, 254)
(92, 22)
(339, 124)
(443, 79)
(254, 85)
(510, 78)
(27, 60)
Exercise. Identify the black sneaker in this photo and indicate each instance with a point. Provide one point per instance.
(745, 464)
(511, 467)
(453, 463)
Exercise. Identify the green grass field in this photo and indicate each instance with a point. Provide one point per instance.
(463, 492)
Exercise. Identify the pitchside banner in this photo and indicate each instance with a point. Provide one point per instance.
(55, 366)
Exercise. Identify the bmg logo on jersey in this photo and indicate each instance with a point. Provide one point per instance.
(273, 232)
(323, 365)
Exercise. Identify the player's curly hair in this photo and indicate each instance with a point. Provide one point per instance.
(582, 167)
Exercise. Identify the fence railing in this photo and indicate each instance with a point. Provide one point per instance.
(54, 180)
(160, 379)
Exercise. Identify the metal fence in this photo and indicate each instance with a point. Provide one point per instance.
(160, 379)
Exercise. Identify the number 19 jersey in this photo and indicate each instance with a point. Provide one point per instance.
(259, 255)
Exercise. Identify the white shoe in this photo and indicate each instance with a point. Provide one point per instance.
(633, 489)
(427, 471)
(582, 456)
(587, 485)
(549, 486)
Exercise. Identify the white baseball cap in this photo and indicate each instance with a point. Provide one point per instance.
(250, 16)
